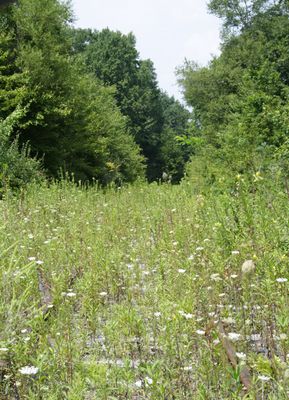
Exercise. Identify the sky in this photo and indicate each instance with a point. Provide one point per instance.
(167, 31)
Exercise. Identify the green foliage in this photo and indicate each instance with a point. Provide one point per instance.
(71, 120)
(240, 100)
(113, 58)
(17, 168)
(240, 14)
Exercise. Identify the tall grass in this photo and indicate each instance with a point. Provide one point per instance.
(139, 293)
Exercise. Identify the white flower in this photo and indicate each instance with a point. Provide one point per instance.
(283, 336)
(39, 262)
(70, 294)
(248, 266)
(31, 258)
(199, 248)
(281, 280)
(181, 271)
(148, 380)
(200, 332)
(103, 294)
(229, 320)
(138, 384)
(241, 356)
(188, 368)
(216, 341)
(235, 252)
(234, 336)
(188, 316)
(157, 314)
(28, 370)
(255, 337)
(215, 277)
(191, 257)
(4, 349)
(234, 276)
(264, 378)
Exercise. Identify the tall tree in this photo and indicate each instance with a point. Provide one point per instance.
(70, 119)
(240, 100)
(113, 58)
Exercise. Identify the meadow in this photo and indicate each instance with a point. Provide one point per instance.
(144, 292)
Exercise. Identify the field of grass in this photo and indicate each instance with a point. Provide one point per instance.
(144, 292)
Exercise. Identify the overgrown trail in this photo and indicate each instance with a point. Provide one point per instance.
(142, 293)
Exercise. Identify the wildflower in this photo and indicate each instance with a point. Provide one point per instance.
(281, 280)
(234, 276)
(248, 266)
(255, 337)
(28, 370)
(148, 380)
(235, 252)
(191, 257)
(264, 378)
(200, 332)
(157, 314)
(181, 271)
(31, 258)
(39, 262)
(199, 248)
(283, 336)
(103, 294)
(138, 384)
(233, 336)
(70, 294)
(216, 341)
(215, 277)
(241, 356)
(188, 316)
(188, 368)
(229, 320)
(4, 349)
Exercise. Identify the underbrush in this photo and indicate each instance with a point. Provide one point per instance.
(145, 292)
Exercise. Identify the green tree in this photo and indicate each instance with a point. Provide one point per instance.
(240, 100)
(112, 57)
(71, 120)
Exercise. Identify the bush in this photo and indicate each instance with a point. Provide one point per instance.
(17, 168)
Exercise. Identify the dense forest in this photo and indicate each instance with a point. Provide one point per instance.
(82, 102)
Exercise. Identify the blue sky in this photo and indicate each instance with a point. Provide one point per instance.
(167, 31)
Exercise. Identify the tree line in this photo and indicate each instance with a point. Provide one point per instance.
(240, 100)
(82, 101)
